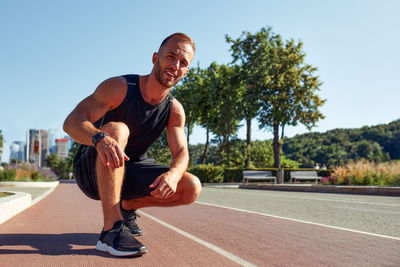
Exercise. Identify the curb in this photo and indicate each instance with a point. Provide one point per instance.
(341, 189)
(19, 201)
(32, 184)
(12, 205)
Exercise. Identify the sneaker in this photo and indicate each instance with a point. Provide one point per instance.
(130, 221)
(118, 241)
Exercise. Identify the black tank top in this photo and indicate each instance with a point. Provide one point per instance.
(145, 122)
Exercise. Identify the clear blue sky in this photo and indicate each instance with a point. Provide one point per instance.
(54, 53)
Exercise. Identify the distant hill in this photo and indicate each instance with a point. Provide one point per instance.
(336, 147)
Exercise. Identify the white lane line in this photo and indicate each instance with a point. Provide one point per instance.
(218, 250)
(367, 210)
(346, 201)
(295, 220)
(327, 199)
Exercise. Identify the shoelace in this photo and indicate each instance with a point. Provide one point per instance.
(132, 215)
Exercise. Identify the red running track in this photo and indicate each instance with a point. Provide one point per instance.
(62, 230)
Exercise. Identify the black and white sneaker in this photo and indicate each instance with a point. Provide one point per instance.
(119, 241)
(130, 221)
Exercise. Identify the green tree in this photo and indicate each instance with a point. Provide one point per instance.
(187, 93)
(249, 104)
(159, 150)
(206, 107)
(62, 167)
(226, 95)
(261, 154)
(286, 86)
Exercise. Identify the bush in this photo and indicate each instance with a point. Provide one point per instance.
(37, 176)
(233, 175)
(8, 175)
(208, 173)
(26, 172)
(368, 173)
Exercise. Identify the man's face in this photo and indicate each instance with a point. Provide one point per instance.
(171, 63)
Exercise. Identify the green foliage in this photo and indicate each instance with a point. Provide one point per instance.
(37, 176)
(339, 146)
(261, 154)
(62, 167)
(366, 173)
(188, 93)
(8, 175)
(226, 96)
(208, 173)
(5, 194)
(286, 86)
(288, 163)
(233, 175)
(159, 150)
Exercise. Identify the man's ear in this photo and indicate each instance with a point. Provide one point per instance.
(155, 58)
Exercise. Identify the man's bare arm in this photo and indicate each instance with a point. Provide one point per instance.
(79, 124)
(167, 182)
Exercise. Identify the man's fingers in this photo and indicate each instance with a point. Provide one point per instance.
(121, 157)
(126, 157)
(105, 159)
(155, 183)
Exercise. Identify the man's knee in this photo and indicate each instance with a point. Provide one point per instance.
(117, 130)
(192, 188)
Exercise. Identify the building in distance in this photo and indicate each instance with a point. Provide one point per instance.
(17, 151)
(62, 148)
(37, 146)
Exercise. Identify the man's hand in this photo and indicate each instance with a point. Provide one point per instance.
(111, 153)
(165, 186)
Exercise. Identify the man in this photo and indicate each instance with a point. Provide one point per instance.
(116, 125)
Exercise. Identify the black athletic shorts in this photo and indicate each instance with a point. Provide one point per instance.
(139, 175)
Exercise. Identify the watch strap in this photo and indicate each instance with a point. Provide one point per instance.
(97, 137)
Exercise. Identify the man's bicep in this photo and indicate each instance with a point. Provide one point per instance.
(175, 128)
(176, 139)
(90, 109)
(108, 95)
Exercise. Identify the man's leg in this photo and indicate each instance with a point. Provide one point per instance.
(110, 180)
(188, 189)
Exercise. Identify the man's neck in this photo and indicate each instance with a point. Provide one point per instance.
(152, 91)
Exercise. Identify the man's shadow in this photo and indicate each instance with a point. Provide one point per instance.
(51, 244)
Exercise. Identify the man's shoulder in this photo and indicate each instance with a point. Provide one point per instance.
(176, 105)
(112, 91)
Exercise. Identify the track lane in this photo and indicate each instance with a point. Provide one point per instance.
(269, 241)
(63, 228)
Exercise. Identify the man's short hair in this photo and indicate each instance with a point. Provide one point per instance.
(181, 36)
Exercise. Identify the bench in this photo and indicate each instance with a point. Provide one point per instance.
(258, 175)
(304, 175)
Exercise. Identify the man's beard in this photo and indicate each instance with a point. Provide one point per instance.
(158, 75)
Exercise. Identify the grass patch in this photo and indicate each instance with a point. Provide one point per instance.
(5, 194)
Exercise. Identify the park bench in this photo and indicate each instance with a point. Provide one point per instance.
(258, 175)
(304, 175)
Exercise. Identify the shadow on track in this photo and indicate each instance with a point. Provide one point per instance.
(51, 244)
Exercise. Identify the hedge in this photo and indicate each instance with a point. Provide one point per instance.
(8, 175)
(208, 173)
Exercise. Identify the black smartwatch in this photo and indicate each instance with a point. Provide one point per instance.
(97, 137)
